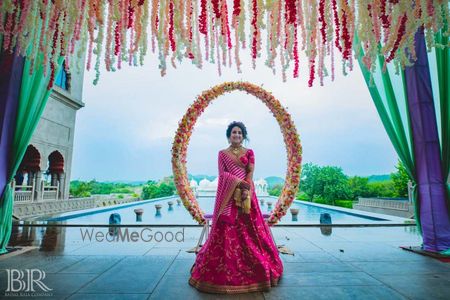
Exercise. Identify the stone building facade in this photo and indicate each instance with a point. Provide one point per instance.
(46, 167)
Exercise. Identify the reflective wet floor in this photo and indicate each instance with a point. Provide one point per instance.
(152, 263)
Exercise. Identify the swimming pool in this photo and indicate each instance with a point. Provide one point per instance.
(308, 213)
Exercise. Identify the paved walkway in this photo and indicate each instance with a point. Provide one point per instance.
(349, 263)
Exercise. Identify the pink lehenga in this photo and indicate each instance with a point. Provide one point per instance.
(240, 255)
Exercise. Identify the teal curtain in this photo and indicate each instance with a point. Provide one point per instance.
(32, 100)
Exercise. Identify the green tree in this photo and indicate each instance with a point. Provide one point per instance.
(152, 189)
(329, 183)
(309, 180)
(121, 190)
(400, 180)
(165, 189)
(275, 190)
(80, 189)
(381, 189)
(332, 184)
(169, 182)
(358, 187)
(99, 188)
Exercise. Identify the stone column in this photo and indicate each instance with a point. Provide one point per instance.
(54, 179)
(62, 185)
(38, 185)
(30, 178)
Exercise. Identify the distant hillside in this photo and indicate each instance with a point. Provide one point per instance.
(274, 180)
(271, 181)
(128, 182)
(379, 178)
(198, 178)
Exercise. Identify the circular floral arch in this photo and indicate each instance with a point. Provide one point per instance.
(290, 136)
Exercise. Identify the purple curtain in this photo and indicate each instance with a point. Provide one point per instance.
(11, 67)
(431, 184)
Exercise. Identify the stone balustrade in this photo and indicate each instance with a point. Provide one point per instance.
(394, 207)
(35, 209)
(386, 203)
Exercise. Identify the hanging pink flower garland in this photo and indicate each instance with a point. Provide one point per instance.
(184, 132)
(184, 29)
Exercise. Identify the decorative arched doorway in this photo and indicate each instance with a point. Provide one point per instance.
(57, 176)
(29, 167)
(28, 176)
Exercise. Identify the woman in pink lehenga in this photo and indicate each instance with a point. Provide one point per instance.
(240, 255)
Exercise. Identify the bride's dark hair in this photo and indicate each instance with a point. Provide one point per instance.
(241, 126)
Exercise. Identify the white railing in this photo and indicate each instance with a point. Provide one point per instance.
(382, 203)
(49, 192)
(23, 193)
(23, 196)
(33, 193)
(40, 208)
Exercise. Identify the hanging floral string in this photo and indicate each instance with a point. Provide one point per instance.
(115, 32)
(237, 11)
(311, 49)
(254, 30)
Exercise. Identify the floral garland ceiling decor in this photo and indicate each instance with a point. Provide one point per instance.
(290, 136)
(121, 31)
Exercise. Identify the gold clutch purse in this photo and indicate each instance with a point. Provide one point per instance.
(245, 204)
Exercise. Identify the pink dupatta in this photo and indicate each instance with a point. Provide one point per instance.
(231, 172)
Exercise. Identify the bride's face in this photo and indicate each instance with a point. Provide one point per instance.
(236, 135)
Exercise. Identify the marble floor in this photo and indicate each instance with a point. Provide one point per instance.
(342, 263)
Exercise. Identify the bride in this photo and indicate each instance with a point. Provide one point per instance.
(240, 255)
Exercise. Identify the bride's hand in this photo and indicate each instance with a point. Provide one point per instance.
(244, 185)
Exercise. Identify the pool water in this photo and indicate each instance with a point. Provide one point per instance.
(308, 214)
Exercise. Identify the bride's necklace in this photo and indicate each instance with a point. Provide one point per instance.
(236, 150)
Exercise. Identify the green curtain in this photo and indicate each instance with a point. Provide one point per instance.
(443, 67)
(32, 100)
(391, 105)
(393, 113)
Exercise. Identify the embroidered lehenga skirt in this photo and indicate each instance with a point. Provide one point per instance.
(240, 255)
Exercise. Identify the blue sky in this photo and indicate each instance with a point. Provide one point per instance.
(126, 129)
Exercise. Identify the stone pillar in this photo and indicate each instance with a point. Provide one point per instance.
(38, 185)
(54, 179)
(30, 178)
(62, 185)
(410, 192)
